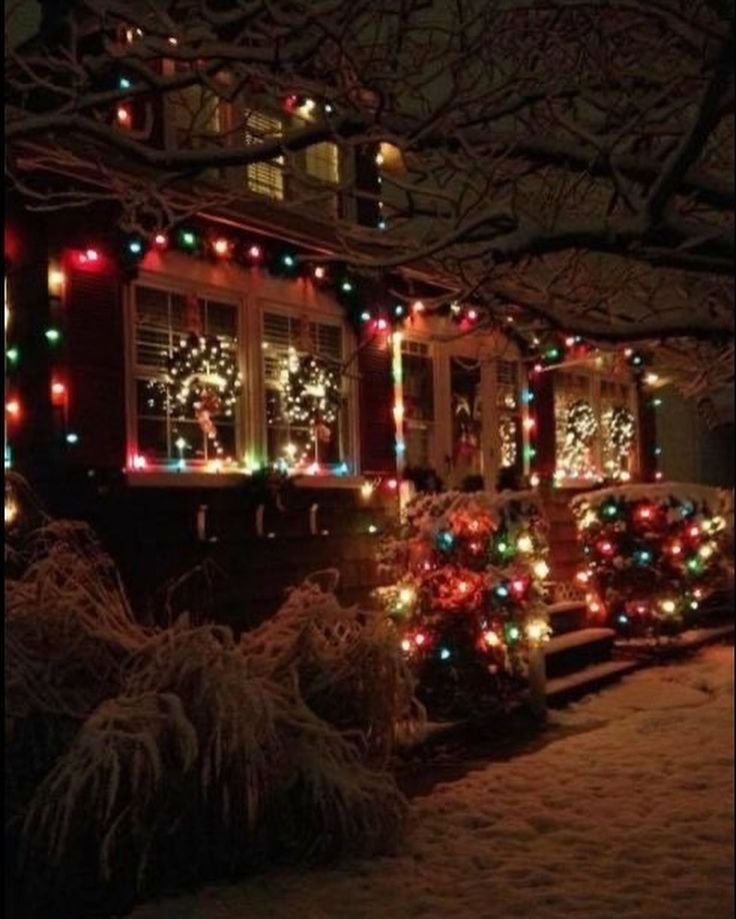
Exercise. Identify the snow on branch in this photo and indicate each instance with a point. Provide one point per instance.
(513, 137)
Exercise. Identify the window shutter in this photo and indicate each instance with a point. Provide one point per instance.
(95, 349)
(377, 433)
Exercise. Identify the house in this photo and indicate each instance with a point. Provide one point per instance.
(339, 384)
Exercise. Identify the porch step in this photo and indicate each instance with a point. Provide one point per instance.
(576, 650)
(564, 689)
(566, 616)
(686, 641)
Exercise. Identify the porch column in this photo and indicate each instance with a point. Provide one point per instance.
(647, 441)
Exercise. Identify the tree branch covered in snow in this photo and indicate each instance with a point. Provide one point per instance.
(532, 151)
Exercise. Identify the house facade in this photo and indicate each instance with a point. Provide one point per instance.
(228, 389)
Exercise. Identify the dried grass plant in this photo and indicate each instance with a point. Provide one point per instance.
(187, 754)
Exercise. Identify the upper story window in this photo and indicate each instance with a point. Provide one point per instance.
(322, 162)
(291, 342)
(195, 111)
(265, 178)
(162, 319)
(417, 373)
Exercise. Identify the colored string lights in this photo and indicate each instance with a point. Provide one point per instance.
(652, 553)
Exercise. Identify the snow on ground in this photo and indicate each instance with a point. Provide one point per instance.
(629, 814)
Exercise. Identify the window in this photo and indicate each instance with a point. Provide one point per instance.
(467, 421)
(294, 444)
(577, 427)
(266, 178)
(162, 319)
(509, 415)
(322, 162)
(417, 377)
(618, 430)
(195, 111)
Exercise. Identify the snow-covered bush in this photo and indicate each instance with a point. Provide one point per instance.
(468, 572)
(348, 663)
(653, 553)
(174, 755)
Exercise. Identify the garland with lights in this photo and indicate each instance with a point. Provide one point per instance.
(653, 553)
(508, 432)
(467, 597)
(202, 382)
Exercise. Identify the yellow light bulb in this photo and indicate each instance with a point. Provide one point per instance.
(541, 569)
(668, 606)
(537, 630)
(525, 544)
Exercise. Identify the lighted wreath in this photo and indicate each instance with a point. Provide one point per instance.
(621, 426)
(311, 390)
(202, 381)
(581, 423)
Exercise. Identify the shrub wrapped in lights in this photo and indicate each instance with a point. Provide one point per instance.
(653, 554)
(469, 574)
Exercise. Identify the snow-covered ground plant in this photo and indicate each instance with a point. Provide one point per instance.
(68, 629)
(467, 593)
(653, 553)
(348, 663)
(141, 758)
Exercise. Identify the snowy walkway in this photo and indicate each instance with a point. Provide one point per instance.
(630, 817)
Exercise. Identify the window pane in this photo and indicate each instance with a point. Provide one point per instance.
(162, 317)
(265, 178)
(418, 392)
(577, 427)
(322, 161)
(467, 424)
(195, 110)
(299, 445)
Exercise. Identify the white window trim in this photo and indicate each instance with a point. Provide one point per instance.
(436, 438)
(313, 313)
(170, 284)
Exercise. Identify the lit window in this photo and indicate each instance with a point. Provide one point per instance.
(162, 319)
(266, 178)
(292, 444)
(577, 428)
(195, 112)
(509, 416)
(418, 394)
(322, 162)
(467, 420)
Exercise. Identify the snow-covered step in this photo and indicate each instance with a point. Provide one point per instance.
(566, 616)
(561, 690)
(576, 650)
(685, 641)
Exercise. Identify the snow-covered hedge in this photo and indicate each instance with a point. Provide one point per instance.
(653, 552)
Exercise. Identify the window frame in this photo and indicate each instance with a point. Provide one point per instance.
(349, 440)
(186, 288)
(595, 379)
(433, 426)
